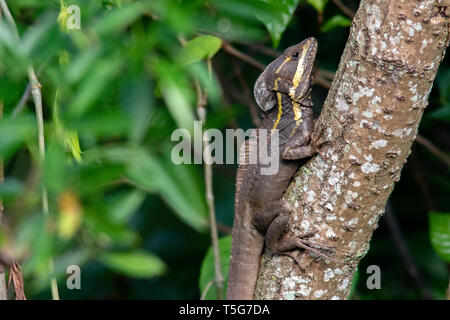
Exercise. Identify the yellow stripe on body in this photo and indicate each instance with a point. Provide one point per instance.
(297, 112)
(280, 111)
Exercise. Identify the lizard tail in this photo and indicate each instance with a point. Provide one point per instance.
(247, 244)
(246, 249)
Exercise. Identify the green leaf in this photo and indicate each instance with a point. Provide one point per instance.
(277, 21)
(11, 187)
(107, 232)
(14, 133)
(94, 86)
(207, 271)
(137, 264)
(178, 104)
(319, 5)
(443, 113)
(109, 123)
(69, 138)
(138, 102)
(123, 206)
(174, 183)
(119, 17)
(336, 21)
(199, 48)
(440, 233)
(178, 185)
(80, 65)
(55, 168)
(43, 37)
(354, 284)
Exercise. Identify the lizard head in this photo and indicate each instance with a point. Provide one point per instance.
(289, 74)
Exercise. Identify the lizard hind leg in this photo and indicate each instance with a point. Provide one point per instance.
(279, 242)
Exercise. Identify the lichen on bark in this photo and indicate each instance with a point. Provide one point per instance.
(369, 120)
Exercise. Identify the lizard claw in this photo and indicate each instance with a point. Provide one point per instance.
(316, 144)
(289, 244)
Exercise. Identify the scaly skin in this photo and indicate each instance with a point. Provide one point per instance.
(261, 216)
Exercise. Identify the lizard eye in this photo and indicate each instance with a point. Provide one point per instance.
(295, 55)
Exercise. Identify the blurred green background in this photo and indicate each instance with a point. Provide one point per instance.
(114, 91)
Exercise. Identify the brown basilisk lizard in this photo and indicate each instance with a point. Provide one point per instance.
(261, 218)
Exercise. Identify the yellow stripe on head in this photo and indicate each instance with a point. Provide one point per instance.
(282, 64)
(298, 73)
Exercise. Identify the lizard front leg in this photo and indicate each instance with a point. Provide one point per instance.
(304, 143)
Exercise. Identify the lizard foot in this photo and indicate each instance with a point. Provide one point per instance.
(317, 144)
(288, 244)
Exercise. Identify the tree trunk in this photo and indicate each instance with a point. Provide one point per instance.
(369, 120)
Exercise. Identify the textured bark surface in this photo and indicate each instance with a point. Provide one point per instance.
(370, 119)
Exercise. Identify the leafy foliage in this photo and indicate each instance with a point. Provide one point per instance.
(336, 21)
(137, 264)
(440, 234)
(278, 21)
(207, 271)
(319, 5)
(113, 93)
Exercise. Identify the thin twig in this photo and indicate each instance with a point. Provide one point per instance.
(205, 291)
(418, 175)
(219, 279)
(201, 112)
(22, 102)
(238, 54)
(266, 50)
(318, 79)
(405, 255)
(25, 96)
(433, 149)
(349, 12)
(37, 97)
(3, 291)
(326, 74)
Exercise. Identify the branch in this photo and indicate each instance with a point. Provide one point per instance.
(405, 255)
(433, 149)
(419, 177)
(240, 55)
(349, 12)
(219, 279)
(369, 121)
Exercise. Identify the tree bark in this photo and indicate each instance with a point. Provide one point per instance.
(369, 120)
